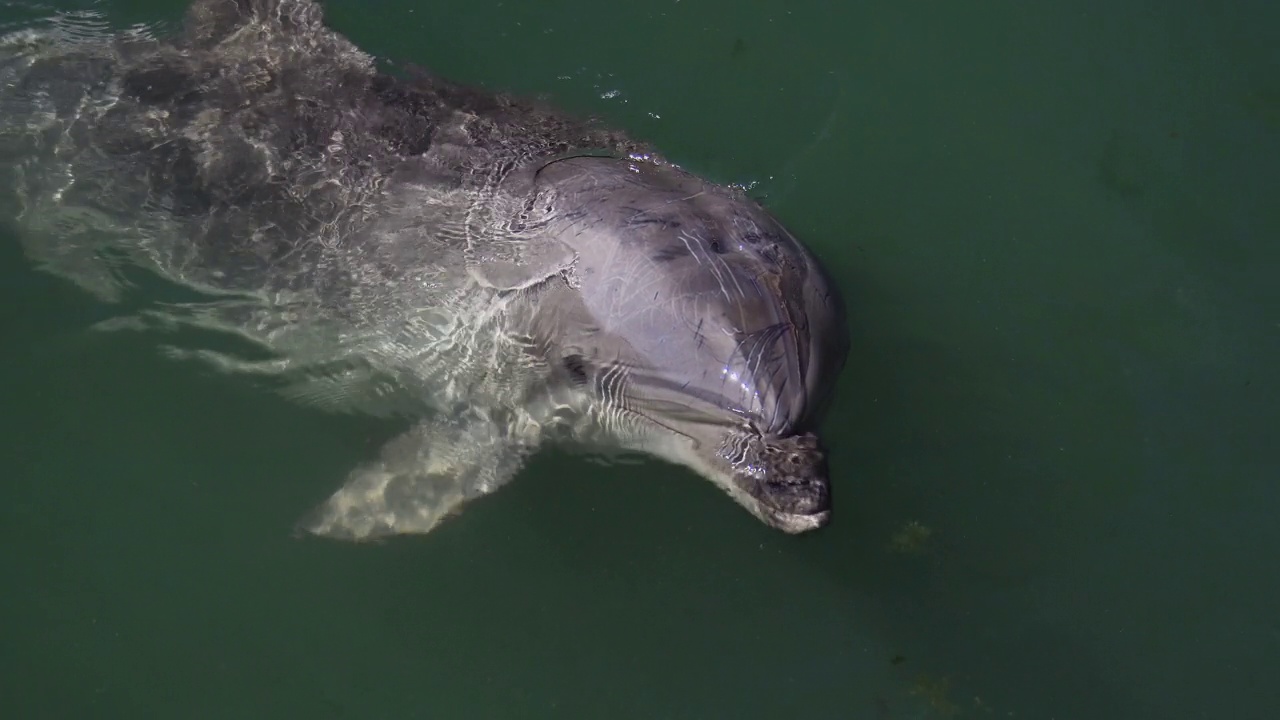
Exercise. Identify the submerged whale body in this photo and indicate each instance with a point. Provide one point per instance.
(518, 277)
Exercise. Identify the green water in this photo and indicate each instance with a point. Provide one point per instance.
(1057, 228)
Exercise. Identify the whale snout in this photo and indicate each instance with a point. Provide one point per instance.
(796, 507)
(784, 482)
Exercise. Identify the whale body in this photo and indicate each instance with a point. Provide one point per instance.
(506, 276)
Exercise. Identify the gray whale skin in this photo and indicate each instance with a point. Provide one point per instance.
(500, 274)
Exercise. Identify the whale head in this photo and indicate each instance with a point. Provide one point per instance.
(706, 334)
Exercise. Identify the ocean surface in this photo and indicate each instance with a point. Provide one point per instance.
(1055, 449)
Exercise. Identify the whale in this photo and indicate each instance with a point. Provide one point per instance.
(500, 276)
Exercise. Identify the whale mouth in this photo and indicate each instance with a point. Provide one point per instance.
(795, 524)
(794, 505)
(783, 481)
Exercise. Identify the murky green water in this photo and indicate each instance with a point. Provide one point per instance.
(1057, 483)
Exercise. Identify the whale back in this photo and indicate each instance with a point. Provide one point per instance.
(251, 150)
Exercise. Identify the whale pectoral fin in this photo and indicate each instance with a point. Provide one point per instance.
(420, 478)
(515, 263)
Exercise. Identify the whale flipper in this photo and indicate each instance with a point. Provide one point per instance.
(421, 477)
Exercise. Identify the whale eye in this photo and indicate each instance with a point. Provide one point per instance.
(716, 247)
(577, 368)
